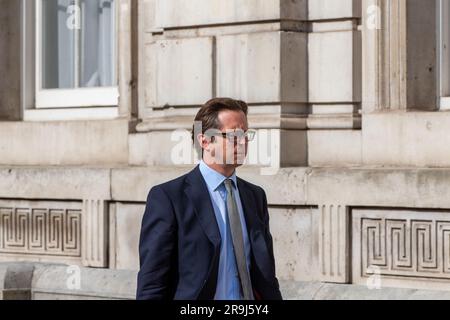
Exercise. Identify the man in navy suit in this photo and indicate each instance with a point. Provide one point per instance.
(205, 235)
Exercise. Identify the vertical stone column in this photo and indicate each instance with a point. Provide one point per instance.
(95, 233)
(334, 243)
(334, 72)
(128, 62)
(146, 17)
(334, 65)
(10, 59)
(399, 55)
(112, 245)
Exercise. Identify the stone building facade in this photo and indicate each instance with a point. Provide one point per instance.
(350, 99)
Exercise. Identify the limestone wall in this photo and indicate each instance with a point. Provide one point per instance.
(343, 92)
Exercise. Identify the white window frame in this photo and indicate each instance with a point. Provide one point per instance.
(443, 54)
(59, 104)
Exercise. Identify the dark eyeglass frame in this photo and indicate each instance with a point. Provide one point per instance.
(231, 136)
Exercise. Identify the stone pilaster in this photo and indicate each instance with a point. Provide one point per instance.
(95, 233)
(10, 59)
(128, 63)
(334, 45)
(399, 55)
(334, 243)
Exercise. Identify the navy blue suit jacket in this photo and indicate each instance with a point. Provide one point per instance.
(180, 242)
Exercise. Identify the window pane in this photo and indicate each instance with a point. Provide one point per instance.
(98, 48)
(78, 44)
(58, 46)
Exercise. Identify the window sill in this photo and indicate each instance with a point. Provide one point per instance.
(81, 97)
(72, 114)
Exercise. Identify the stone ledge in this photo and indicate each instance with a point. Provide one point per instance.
(357, 186)
(56, 183)
(64, 143)
(380, 187)
(326, 291)
(49, 282)
(181, 14)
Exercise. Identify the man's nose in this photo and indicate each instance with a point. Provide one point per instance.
(240, 140)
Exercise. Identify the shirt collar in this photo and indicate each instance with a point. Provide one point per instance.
(213, 178)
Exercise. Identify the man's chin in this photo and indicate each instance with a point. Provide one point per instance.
(238, 161)
(235, 164)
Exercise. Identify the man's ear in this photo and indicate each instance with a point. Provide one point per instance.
(203, 141)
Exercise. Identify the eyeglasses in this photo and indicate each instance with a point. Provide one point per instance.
(238, 135)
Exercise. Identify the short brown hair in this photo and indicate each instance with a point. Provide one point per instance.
(208, 114)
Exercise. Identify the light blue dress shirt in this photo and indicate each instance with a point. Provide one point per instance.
(228, 286)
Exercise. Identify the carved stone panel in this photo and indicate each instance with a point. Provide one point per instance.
(401, 247)
(37, 228)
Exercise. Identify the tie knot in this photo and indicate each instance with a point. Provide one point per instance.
(228, 184)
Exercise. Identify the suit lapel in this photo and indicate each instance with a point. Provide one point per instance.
(198, 193)
(255, 229)
(250, 210)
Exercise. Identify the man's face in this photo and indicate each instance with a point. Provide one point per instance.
(226, 150)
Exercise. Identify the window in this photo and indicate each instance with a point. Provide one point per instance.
(75, 53)
(444, 54)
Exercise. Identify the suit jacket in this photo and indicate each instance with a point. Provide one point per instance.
(180, 242)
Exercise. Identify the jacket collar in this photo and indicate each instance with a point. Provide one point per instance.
(213, 178)
(197, 192)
